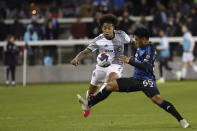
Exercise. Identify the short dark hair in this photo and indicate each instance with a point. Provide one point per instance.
(109, 18)
(142, 32)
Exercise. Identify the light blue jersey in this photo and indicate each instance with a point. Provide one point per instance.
(188, 42)
(164, 47)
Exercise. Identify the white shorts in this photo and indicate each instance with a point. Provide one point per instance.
(187, 57)
(100, 74)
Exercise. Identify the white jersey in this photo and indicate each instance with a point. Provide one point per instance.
(114, 47)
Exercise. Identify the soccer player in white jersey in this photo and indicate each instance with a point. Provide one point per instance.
(112, 42)
(188, 46)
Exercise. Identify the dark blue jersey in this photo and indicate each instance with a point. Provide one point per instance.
(146, 56)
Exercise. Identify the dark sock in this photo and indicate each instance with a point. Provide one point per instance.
(99, 97)
(171, 109)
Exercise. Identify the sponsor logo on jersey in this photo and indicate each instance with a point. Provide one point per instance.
(142, 52)
(109, 50)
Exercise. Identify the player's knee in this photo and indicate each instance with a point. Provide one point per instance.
(191, 64)
(157, 99)
(112, 86)
(112, 76)
(184, 64)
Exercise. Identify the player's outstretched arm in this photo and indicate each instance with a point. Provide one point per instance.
(80, 56)
(131, 61)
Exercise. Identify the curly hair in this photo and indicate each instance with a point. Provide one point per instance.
(109, 18)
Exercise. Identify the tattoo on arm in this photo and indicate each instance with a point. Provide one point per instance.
(82, 54)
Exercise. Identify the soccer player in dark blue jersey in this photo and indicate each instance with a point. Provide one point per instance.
(143, 79)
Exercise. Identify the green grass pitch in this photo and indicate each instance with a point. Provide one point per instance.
(54, 107)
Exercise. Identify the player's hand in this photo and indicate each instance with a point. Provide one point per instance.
(132, 58)
(124, 59)
(75, 62)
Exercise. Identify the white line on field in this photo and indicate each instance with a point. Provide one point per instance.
(76, 116)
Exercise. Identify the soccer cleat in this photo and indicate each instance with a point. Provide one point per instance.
(7, 83)
(178, 75)
(184, 123)
(86, 113)
(161, 80)
(85, 108)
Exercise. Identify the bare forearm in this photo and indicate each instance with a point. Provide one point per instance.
(81, 55)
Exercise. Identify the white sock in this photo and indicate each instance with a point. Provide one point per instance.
(184, 72)
(87, 94)
(195, 68)
(103, 86)
(13, 82)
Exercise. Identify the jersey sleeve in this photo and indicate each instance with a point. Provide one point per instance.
(92, 46)
(125, 37)
(150, 55)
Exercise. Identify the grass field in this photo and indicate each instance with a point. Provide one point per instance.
(54, 107)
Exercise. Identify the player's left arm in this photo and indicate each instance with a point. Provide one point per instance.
(148, 59)
(143, 65)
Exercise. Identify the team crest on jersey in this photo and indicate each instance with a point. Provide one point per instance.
(105, 45)
(142, 52)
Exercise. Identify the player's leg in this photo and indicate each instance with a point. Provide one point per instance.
(13, 69)
(7, 69)
(112, 76)
(90, 92)
(184, 70)
(92, 89)
(194, 67)
(98, 76)
(101, 95)
(104, 93)
(161, 65)
(119, 85)
(151, 90)
(185, 59)
(169, 107)
(114, 72)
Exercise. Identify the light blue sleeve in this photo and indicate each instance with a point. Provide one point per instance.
(26, 36)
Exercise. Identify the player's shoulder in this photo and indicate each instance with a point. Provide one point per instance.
(188, 35)
(99, 37)
(150, 48)
(119, 32)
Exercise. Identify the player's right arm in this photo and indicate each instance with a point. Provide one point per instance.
(90, 48)
(80, 56)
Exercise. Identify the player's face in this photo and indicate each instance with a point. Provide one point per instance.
(108, 30)
(161, 33)
(140, 42)
(184, 29)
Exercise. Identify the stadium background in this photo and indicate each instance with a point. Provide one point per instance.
(78, 21)
(69, 25)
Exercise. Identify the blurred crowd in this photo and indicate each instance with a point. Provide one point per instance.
(168, 14)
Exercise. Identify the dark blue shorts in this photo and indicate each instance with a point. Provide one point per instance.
(132, 84)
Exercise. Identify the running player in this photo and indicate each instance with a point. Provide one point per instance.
(143, 79)
(112, 42)
(188, 46)
(164, 56)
